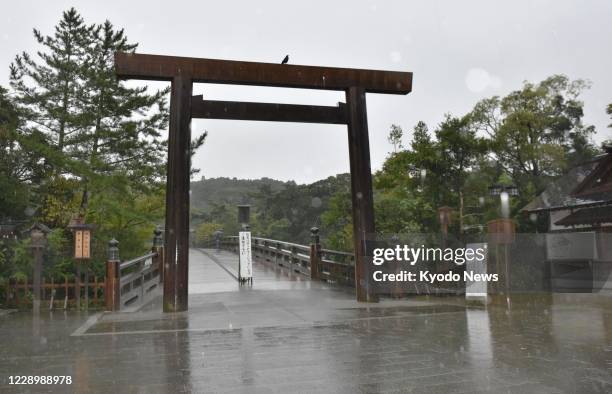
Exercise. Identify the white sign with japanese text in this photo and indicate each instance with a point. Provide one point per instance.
(245, 259)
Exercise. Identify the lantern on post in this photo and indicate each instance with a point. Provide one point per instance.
(113, 251)
(112, 281)
(315, 253)
(158, 249)
(495, 190)
(38, 236)
(244, 213)
(217, 236)
(158, 239)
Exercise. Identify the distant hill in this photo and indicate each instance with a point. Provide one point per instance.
(280, 210)
(230, 191)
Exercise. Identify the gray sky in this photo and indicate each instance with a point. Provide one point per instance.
(459, 51)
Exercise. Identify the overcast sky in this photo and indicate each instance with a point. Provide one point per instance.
(459, 52)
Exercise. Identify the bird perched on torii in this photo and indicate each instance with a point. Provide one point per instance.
(285, 60)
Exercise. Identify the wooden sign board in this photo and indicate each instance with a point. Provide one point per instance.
(82, 244)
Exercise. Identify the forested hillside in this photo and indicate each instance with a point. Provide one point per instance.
(284, 211)
(207, 193)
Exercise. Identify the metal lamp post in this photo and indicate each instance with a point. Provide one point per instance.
(502, 231)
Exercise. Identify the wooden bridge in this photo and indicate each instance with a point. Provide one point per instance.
(131, 284)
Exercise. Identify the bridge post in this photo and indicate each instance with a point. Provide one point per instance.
(361, 190)
(112, 290)
(315, 254)
(176, 262)
(158, 247)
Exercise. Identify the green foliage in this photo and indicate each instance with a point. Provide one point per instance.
(16, 164)
(205, 231)
(337, 229)
(76, 142)
(526, 138)
(537, 133)
(281, 210)
(231, 191)
(395, 137)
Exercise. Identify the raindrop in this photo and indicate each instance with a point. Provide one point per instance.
(395, 56)
(316, 202)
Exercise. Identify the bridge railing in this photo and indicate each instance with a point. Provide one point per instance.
(131, 281)
(319, 264)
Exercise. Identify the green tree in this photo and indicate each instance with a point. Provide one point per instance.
(537, 132)
(122, 126)
(461, 151)
(17, 167)
(98, 144)
(337, 229)
(395, 137)
(49, 92)
(205, 231)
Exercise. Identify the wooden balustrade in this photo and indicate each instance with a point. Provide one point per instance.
(131, 281)
(137, 278)
(58, 294)
(313, 261)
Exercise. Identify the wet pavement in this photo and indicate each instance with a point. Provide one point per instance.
(287, 334)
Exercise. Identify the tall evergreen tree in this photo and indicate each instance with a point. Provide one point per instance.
(121, 126)
(49, 91)
(97, 132)
(15, 165)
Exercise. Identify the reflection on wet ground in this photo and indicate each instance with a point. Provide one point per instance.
(300, 336)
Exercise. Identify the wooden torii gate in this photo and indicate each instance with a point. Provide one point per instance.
(182, 72)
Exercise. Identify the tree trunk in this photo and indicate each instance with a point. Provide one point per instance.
(460, 211)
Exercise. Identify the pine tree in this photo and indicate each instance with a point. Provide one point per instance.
(48, 92)
(121, 135)
(95, 131)
(14, 164)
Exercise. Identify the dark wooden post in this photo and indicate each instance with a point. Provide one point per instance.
(112, 292)
(86, 291)
(158, 247)
(176, 262)
(95, 293)
(77, 285)
(65, 292)
(36, 278)
(361, 188)
(315, 254)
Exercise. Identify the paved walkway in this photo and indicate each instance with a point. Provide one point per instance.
(286, 334)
